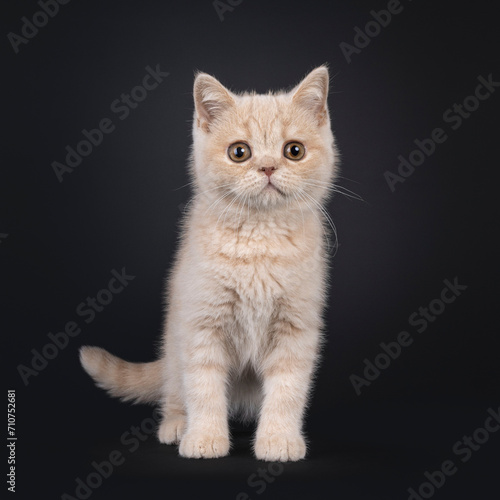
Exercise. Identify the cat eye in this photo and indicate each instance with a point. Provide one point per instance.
(294, 151)
(239, 151)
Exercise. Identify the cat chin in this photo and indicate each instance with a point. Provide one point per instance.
(271, 197)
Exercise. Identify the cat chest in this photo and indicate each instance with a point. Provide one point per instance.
(245, 286)
(257, 282)
(258, 279)
(257, 291)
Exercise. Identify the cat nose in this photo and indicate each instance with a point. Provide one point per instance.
(268, 170)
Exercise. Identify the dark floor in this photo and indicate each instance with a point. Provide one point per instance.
(347, 459)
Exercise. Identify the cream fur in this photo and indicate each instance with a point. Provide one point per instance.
(247, 290)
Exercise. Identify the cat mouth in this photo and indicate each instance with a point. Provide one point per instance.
(271, 187)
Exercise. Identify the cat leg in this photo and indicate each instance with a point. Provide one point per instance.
(205, 380)
(287, 371)
(173, 424)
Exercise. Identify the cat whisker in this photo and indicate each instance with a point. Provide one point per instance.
(323, 210)
(185, 185)
(335, 188)
(302, 214)
(197, 195)
(217, 201)
(222, 186)
(328, 218)
(226, 210)
(239, 217)
(347, 179)
(348, 193)
(300, 194)
(238, 211)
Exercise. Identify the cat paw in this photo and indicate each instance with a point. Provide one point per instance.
(172, 429)
(203, 445)
(280, 447)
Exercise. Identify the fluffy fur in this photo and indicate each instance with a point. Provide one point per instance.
(247, 289)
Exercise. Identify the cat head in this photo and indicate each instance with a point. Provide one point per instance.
(267, 149)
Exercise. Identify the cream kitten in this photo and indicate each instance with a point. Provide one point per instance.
(247, 290)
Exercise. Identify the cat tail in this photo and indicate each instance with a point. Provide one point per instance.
(137, 382)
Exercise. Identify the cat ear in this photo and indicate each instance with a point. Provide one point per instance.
(211, 99)
(312, 93)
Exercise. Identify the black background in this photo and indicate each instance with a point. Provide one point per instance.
(121, 208)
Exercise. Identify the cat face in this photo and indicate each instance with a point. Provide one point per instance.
(266, 151)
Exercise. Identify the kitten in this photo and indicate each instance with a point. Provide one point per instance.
(247, 290)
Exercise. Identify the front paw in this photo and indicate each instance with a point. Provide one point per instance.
(196, 444)
(171, 429)
(280, 447)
